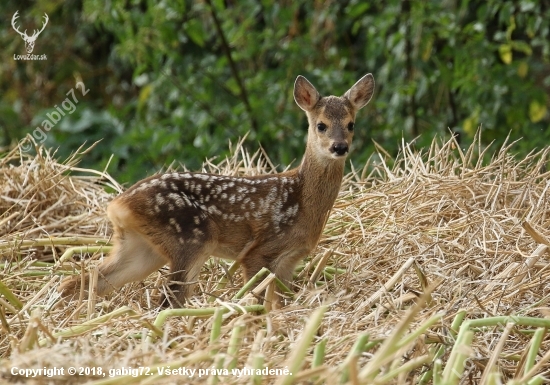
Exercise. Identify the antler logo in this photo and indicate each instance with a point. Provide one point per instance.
(29, 40)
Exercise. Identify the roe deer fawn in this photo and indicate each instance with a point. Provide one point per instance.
(272, 221)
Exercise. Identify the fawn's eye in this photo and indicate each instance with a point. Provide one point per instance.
(321, 127)
(351, 126)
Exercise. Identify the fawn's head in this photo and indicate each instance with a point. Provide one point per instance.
(332, 118)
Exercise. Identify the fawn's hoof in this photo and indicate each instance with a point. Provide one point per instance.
(171, 301)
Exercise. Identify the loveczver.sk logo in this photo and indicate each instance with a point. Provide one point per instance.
(29, 40)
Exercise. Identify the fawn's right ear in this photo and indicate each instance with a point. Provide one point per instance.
(305, 95)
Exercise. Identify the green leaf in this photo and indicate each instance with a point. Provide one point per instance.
(471, 123)
(521, 46)
(511, 28)
(358, 9)
(144, 95)
(505, 52)
(523, 69)
(537, 111)
(195, 32)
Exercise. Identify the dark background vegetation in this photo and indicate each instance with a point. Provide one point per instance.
(176, 80)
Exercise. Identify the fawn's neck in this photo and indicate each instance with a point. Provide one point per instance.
(321, 179)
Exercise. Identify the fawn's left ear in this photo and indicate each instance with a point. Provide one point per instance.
(361, 92)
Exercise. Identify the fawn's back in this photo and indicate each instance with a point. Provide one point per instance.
(272, 221)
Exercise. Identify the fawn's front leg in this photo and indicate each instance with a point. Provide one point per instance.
(282, 266)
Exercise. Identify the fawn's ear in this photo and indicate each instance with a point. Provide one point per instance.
(305, 95)
(361, 92)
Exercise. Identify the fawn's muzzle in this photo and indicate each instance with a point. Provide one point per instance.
(339, 148)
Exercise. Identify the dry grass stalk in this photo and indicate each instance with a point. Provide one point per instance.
(456, 213)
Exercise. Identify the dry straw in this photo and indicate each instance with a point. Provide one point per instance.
(432, 269)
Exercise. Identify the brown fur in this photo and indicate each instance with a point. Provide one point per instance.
(272, 221)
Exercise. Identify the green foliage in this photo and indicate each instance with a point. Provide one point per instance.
(85, 122)
(176, 80)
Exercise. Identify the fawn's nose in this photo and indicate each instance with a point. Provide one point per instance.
(339, 148)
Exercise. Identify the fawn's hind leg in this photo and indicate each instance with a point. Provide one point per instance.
(185, 266)
(132, 259)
